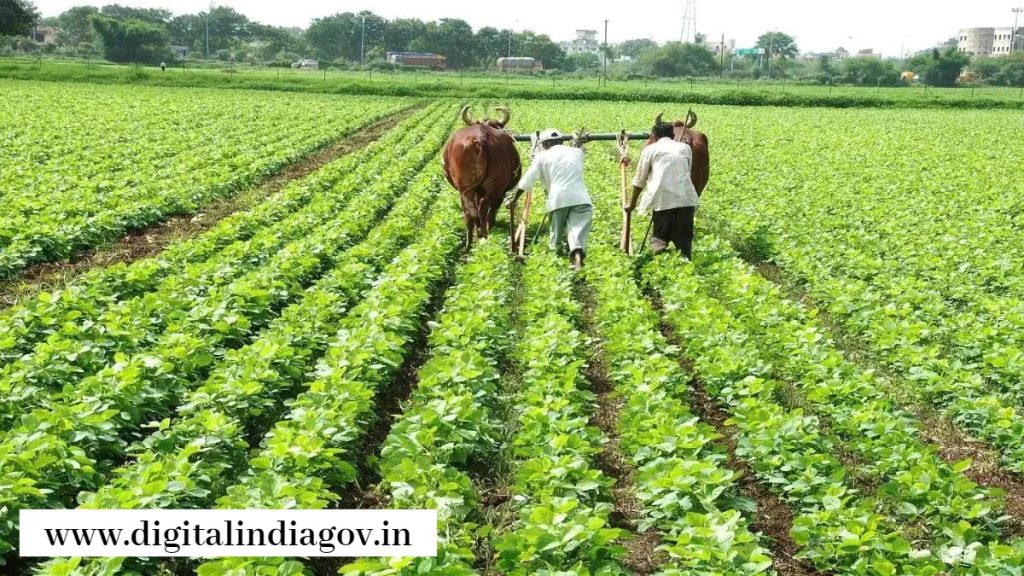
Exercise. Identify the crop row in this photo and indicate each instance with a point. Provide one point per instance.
(916, 484)
(207, 144)
(562, 500)
(195, 264)
(680, 481)
(926, 518)
(221, 317)
(837, 528)
(311, 450)
(450, 420)
(929, 271)
(54, 452)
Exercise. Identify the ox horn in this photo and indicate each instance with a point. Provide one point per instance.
(691, 118)
(506, 115)
(657, 119)
(465, 115)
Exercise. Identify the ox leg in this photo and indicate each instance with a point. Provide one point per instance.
(470, 230)
(486, 220)
(470, 217)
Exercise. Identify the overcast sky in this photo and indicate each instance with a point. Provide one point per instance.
(818, 25)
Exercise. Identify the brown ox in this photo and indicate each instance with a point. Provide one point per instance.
(481, 162)
(700, 170)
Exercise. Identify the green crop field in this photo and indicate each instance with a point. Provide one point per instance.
(84, 166)
(832, 386)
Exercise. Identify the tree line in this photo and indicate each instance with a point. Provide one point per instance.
(146, 35)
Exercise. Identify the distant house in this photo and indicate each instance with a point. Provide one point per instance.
(307, 64)
(44, 35)
(519, 63)
(841, 53)
(418, 59)
(180, 52)
(868, 53)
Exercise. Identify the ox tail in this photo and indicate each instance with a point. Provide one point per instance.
(474, 163)
(474, 159)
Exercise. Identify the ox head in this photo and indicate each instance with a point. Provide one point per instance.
(505, 116)
(680, 128)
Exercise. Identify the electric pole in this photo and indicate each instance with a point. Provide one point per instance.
(721, 60)
(207, 22)
(771, 48)
(362, 43)
(1013, 34)
(606, 52)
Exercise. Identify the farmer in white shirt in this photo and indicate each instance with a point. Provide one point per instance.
(560, 169)
(664, 170)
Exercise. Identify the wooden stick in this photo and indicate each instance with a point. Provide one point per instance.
(625, 242)
(627, 217)
(524, 221)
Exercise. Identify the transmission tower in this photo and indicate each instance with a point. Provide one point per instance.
(689, 33)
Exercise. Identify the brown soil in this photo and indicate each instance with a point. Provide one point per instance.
(390, 401)
(151, 240)
(953, 446)
(773, 518)
(642, 554)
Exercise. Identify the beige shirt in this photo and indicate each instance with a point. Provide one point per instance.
(560, 170)
(664, 173)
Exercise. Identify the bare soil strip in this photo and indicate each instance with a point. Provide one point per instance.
(951, 442)
(773, 517)
(390, 404)
(151, 240)
(497, 510)
(642, 554)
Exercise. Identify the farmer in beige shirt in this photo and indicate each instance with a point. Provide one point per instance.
(664, 171)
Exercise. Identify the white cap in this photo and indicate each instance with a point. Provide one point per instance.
(550, 134)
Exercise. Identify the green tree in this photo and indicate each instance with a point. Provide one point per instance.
(1011, 71)
(17, 17)
(188, 30)
(76, 26)
(778, 45)
(676, 59)
(541, 48)
(341, 35)
(228, 28)
(986, 68)
(450, 37)
(826, 69)
(399, 33)
(131, 40)
(636, 48)
(276, 40)
(938, 68)
(492, 44)
(582, 61)
(151, 15)
(334, 37)
(868, 71)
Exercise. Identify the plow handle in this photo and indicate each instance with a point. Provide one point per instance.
(519, 240)
(625, 243)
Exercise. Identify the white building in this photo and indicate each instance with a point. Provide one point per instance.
(715, 46)
(584, 43)
(987, 41)
(1001, 41)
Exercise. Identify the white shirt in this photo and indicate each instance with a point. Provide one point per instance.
(560, 170)
(664, 170)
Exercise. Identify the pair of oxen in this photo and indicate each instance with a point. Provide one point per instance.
(482, 163)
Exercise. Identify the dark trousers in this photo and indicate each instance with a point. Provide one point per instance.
(676, 226)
